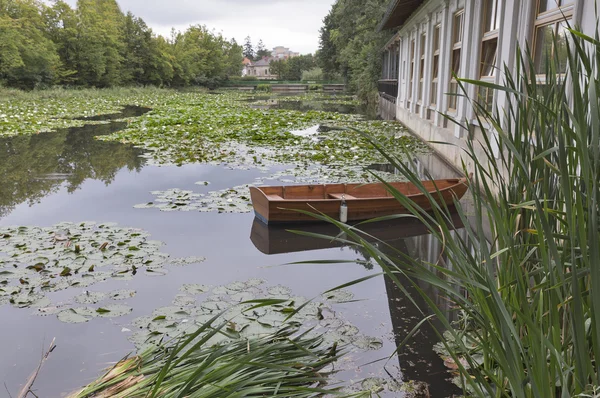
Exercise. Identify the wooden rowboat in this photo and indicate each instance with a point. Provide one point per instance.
(278, 204)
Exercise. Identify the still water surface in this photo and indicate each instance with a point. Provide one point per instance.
(68, 176)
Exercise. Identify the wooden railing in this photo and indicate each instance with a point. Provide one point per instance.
(388, 88)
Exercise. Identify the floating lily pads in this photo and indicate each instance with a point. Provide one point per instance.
(122, 294)
(187, 312)
(339, 296)
(36, 261)
(195, 289)
(90, 297)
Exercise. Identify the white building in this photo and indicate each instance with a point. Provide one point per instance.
(473, 38)
(261, 69)
(281, 52)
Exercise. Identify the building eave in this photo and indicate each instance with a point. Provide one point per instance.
(398, 12)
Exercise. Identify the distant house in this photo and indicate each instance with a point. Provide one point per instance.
(261, 69)
(246, 62)
(281, 52)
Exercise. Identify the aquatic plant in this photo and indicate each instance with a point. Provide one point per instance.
(524, 281)
(280, 364)
(26, 113)
(35, 261)
(267, 342)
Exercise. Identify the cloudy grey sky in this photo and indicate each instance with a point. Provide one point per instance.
(289, 23)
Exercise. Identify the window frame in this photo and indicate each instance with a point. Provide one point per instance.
(552, 17)
(435, 64)
(488, 38)
(422, 58)
(411, 69)
(455, 50)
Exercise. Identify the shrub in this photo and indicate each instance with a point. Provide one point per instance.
(264, 87)
(312, 75)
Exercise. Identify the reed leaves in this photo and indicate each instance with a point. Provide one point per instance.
(524, 274)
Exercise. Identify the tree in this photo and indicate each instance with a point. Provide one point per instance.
(261, 50)
(235, 57)
(100, 43)
(28, 58)
(350, 44)
(248, 49)
(61, 28)
(279, 67)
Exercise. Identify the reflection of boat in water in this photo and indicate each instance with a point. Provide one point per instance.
(364, 201)
(276, 239)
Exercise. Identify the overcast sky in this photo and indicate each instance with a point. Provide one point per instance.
(290, 23)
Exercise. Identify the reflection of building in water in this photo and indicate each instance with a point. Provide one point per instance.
(418, 361)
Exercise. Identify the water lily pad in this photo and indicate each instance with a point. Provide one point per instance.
(90, 297)
(77, 315)
(122, 294)
(187, 260)
(339, 296)
(113, 310)
(35, 261)
(279, 291)
(195, 289)
(184, 301)
(367, 343)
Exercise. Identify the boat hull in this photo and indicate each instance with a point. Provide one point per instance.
(284, 204)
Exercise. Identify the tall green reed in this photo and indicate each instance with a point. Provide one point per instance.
(530, 295)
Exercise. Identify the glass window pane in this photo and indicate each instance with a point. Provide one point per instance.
(488, 21)
(452, 98)
(456, 61)
(488, 57)
(561, 47)
(458, 28)
(436, 39)
(436, 66)
(543, 47)
(547, 5)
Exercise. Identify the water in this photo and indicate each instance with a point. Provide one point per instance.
(325, 104)
(69, 176)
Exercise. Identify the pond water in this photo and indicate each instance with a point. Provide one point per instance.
(68, 176)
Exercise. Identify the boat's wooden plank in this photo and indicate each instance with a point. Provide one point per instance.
(339, 196)
(274, 197)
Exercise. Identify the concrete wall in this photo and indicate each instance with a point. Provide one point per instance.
(418, 106)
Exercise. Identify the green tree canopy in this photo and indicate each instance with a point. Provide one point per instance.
(96, 45)
(350, 44)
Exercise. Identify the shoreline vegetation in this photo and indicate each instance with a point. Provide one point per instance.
(97, 45)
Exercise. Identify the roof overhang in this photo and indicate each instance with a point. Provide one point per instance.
(398, 12)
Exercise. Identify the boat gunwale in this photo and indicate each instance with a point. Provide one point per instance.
(269, 198)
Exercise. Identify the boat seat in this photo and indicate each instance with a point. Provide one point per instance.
(274, 197)
(339, 196)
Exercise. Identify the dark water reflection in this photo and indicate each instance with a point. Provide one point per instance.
(69, 176)
(34, 166)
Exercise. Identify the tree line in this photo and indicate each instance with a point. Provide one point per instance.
(252, 53)
(96, 45)
(351, 46)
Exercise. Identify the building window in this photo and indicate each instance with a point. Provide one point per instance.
(550, 34)
(412, 70)
(489, 50)
(457, 35)
(421, 68)
(436, 64)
